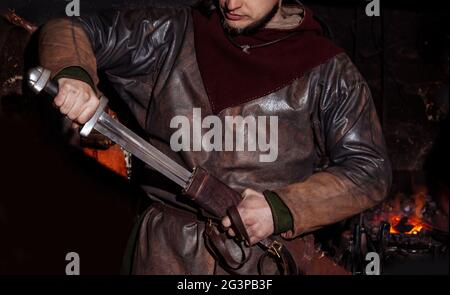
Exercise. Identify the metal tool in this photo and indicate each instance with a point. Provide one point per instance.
(39, 79)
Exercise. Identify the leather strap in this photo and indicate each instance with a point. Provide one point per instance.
(274, 248)
(279, 252)
(238, 224)
(217, 241)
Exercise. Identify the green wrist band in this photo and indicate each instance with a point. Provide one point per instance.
(77, 73)
(282, 217)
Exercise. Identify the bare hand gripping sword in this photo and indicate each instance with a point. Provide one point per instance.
(199, 185)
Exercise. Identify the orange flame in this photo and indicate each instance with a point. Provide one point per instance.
(420, 192)
(418, 224)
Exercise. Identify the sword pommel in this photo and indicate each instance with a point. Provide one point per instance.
(39, 79)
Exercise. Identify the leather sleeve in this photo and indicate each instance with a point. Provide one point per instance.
(122, 43)
(63, 44)
(359, 173)
(135, 42)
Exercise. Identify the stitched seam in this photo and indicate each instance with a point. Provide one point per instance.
(72, 27)
(270, 91)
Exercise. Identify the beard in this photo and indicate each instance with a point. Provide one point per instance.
(251, 28)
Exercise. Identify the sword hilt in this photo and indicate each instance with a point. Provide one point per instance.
(39, 79)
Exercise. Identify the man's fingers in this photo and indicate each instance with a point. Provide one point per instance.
(67, 105)
(247, 218)
(226, 222)
(81, 103)
(89, 111)
(255, 233)
(60, 98)
(76, 99)
(231, 232)
(253, 241)
(86, 115)
(75, 111)
(256, 217)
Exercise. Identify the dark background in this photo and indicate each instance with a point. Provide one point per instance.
(54, 200)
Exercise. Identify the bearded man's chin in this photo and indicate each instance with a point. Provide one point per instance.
(251, 28)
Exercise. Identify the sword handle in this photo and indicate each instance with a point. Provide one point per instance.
(39, 80)
(52, 88)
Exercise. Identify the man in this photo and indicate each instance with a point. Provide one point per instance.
(246, 58)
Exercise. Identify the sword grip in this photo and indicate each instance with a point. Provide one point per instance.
(51, 88)
(39, 80)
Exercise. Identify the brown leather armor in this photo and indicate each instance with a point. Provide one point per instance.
(331, 164)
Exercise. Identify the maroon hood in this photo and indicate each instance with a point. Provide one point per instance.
(232, 77)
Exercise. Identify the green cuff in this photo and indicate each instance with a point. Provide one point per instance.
(282, 217)
(77, 73)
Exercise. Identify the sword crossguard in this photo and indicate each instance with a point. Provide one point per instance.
(39, 79)
(89, 125)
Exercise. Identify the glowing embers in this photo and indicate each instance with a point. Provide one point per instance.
(407, 215)
(407, 225)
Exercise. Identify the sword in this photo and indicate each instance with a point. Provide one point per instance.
(201, 187)
(207, 191)
(39, 80)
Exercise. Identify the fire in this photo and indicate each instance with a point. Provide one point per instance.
(413, 224)
(416, 223)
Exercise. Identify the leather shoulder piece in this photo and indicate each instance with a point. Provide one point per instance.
(133, 42)
(339, 75)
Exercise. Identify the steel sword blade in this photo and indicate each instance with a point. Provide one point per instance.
(143, 150)
(39, 79)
